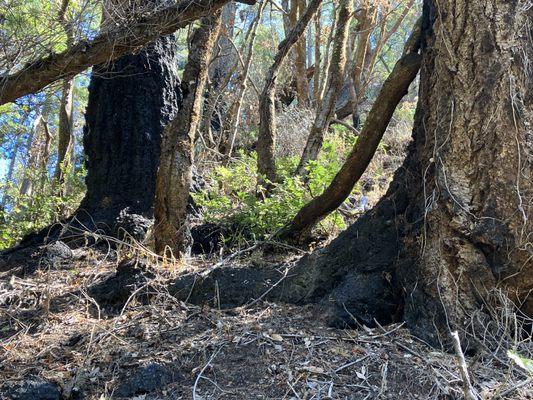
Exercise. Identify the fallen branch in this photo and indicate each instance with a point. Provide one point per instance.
(468, 389)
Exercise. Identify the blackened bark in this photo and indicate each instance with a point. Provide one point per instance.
(130, 102)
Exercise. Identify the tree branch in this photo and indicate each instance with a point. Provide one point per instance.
(105, 47)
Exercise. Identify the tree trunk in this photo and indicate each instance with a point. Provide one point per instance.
(366, 19)
(392, 91)
(266, 141)
(454, 223)
(174, 176)
(130, 102)
(468, 187)
(300, 60)
(64, 132)
(326, 109)
(235, 114)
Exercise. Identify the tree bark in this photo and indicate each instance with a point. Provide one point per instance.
(266, 141)
(300, 53)
(130, 102)
(174, 176)
(366, 19)
(64, 132)
(326, 109)
(66, 106)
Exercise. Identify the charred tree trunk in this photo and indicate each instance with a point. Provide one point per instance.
(130, 102)
(174, 176)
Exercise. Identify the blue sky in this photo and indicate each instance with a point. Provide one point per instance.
(3, 167)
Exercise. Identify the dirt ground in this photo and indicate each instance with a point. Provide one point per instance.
(56, 342)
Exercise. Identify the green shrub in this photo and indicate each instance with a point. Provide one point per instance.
(26, 214)
(231, 195)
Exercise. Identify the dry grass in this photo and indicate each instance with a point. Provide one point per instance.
(51, 329)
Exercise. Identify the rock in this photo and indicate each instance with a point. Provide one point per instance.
(207, 238)
(132, 224)
(147, 379)
(112, 293)
(34, 390)
(52, 255)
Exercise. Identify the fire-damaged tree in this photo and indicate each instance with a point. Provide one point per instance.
(453, 225)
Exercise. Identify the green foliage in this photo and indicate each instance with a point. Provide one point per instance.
(232, 196)
(25, 214)
(524, 363)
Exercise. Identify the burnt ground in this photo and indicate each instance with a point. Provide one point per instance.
(58, 342)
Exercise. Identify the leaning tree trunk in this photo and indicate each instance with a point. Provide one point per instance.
(454, 223)
(130, 102)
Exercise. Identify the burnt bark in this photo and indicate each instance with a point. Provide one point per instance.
(130, 102)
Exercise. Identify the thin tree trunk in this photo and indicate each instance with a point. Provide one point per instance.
(64, 132)
(394, 88)
(9, 174)
(302, 84)
(237, 105)
(266, 141)
(66, 122)
(318, 55)
(326, 109)
(327, 59)
(174, 175)
(366, 19)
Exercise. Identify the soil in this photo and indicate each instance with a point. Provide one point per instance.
(61, 339)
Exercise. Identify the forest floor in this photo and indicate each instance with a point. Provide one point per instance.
(56, 342)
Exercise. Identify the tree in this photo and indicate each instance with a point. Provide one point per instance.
(266, 140)
(326, 109)
(130, 102)
(109, 45)
(174, 175)
(454, 223)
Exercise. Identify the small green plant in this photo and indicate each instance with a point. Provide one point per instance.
(24, 214)
(232, 198)
(524, 363)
